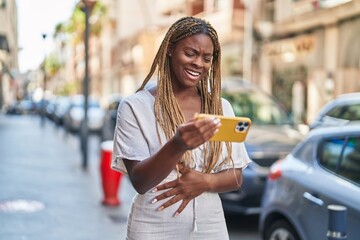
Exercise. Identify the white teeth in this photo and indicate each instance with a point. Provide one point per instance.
(193, 73)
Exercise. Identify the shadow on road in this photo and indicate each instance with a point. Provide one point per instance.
(242, 227)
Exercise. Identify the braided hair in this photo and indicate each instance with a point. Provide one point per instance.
(167, 111)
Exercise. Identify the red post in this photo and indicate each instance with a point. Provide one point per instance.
(110, 178)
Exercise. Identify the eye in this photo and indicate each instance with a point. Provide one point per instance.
(189, 54)
(207, 59)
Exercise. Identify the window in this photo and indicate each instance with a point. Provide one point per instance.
(350, 163)
(342, 157)
(305, 152)
(2, 3)
(330, 152)
(348, 112)
(259, 107)
(269, 11)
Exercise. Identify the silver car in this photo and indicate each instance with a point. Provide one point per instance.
(340, 110)
(74, 116)
(323, 170)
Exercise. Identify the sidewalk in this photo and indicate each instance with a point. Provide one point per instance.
(43, 164)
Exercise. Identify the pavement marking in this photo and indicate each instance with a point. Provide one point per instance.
(21, 205)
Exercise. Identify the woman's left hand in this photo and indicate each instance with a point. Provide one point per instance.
(190, 185)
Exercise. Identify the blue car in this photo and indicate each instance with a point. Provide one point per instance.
(323, 170)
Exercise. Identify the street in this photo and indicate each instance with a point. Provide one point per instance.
(46, 194)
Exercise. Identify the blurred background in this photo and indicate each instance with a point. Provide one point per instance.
(304, 52)
(69, 64)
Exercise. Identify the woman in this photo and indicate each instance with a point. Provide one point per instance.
(177, 172)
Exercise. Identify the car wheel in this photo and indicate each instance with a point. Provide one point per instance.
(281, 230)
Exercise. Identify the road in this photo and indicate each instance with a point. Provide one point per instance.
(44, 163)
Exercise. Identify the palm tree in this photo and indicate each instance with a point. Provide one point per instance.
(71, 33)
(76, 25)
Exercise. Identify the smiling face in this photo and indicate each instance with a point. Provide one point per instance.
(190, 60)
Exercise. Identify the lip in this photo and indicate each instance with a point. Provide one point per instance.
(189, 73)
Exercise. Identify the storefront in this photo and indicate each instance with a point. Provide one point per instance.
(311, 57)
(291, 62)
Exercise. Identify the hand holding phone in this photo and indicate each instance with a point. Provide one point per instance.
(232, 129)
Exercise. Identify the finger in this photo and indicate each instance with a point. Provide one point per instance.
(170, 202)
(197, 138)
(182, 207)
(209, 125)
(202, 130)
(164, 195)
(165, 186)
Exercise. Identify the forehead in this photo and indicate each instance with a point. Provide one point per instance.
(200, 42)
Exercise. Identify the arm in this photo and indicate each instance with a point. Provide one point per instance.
(146, 174)
(192, 183)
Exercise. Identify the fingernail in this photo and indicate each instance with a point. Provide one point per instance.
(216, 121)
(154, 190)
(161, 208)
(154, 200)
(176, 214)
(216, 130)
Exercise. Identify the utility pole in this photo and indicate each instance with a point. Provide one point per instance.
(86, 6)
(248, 40)
(43, 105)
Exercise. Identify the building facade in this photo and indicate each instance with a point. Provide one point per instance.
(304, 52)
(311, 54)
(8, 52)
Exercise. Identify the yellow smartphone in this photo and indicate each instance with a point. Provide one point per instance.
(232, 129)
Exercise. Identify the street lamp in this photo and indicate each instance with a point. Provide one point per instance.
(43, 105)
(86, 6)
(248, 39)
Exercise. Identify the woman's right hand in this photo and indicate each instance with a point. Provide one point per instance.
(196, 132)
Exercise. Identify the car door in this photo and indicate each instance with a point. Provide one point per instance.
(334, 180)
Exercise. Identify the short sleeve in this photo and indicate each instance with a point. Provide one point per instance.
(129, 141)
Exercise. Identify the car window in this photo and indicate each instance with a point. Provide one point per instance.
(348, 112)
(259, 107)
(330, 153)
(350, 162)
(305, 152)
(342, 157)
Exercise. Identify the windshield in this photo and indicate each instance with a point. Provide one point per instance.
(259, 107)
(348, 112)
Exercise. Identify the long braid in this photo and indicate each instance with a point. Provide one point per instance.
(167, 111)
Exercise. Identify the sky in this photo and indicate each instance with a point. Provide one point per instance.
(37, 17)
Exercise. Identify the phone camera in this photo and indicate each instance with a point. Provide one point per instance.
(242, 126)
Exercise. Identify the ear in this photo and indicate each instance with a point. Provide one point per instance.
(170, 49)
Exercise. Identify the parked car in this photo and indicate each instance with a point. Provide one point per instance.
(108, 128)
(74, 115)
(323, 170)
(25, 106)
(50, 108)
(272, 136)
(62, 104)
(343, 108)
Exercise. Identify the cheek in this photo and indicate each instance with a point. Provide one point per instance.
(178, 62)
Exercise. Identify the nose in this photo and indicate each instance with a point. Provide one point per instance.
(198, 62)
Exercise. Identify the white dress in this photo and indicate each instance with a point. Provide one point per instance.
(136, 138)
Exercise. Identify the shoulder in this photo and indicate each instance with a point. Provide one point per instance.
(227, 107)
(141, 97)
(225, 103)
